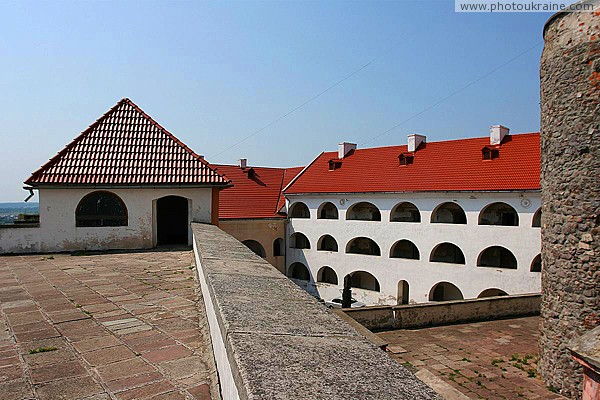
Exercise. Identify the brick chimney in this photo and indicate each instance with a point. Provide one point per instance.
(497, 134)
(344, 148)
(243, 163)
(415, 140)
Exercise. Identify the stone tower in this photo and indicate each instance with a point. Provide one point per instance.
(570, 141)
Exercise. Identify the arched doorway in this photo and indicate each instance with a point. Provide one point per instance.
(172, 223)
(402, 292)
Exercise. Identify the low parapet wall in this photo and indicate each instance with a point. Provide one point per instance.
(20, 238)
(272, 340)
(446, 312)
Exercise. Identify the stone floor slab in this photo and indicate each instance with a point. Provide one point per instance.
(99, 327)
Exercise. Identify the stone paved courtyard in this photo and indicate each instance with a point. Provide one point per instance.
(120, 326)
(484, 360)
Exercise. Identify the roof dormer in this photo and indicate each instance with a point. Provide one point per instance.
(488, 153)
(335, 163)
(406, 159)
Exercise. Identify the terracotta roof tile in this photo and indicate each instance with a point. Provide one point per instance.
(126, 147)
(253, 195)
(454, 165)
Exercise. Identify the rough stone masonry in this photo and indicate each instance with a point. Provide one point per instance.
(570, 141)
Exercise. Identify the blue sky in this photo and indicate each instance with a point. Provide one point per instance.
(214, 72)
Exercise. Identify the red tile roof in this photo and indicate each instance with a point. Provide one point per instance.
(126, 147)
(454, 165)
(255, 194)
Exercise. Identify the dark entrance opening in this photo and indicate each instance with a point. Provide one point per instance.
(172, 220)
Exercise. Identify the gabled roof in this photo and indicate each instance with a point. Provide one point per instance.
(454, 165)
(126, 147)
(254, 195)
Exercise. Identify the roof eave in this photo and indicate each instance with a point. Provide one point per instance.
(125, 186)
(417, 191)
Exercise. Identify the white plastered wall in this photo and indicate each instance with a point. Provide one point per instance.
(57, 230)
(523, 241)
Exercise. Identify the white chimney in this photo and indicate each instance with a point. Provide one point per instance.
(497, 134)
(243, 163)
(415, 140)
(344, 148)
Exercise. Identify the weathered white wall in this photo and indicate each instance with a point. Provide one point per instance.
(57, 231)
(19, 239)
(523, 241)
(265, 231)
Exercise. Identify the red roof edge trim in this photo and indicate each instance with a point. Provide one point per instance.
(302, 172)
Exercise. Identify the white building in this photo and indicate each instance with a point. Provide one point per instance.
(423, 222)
(123, 183)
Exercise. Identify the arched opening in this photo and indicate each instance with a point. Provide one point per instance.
(405, 212)
(327, 211)
(537, 219)
(448, 213)
(499, 214)
(364, 280)
(327, 243)
(363, 245)
(256, 247)
(492, 293)
(299, 271)
(299, 210)
(403, 292)
(363, 212)
(172, 223)
(278, 247)
(447, 253)
(497, 257)
(101, 208)
(445, 291)
(299, 241)
(536, 264)
(327, 275)
(404, 249)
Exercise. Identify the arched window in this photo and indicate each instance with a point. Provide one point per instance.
(497, 257)
(278, 247)
(327, 211)
(256, 247)
(327, 275)
(363, 212)
(405, 212)
(447, 253)
(537, 219)
(364, 280)
(492, 293)
(363, 245)
(327, 243)
(448, 213)
(499, 214)
(445, 291)
(299, 271)
(299, 241)
(404, 249)
(536, 264)
(101, 209)
(299, 210)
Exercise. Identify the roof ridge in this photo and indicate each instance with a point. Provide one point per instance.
(437, 141)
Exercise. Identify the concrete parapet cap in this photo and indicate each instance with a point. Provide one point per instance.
(278, 342)
(587, 348)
